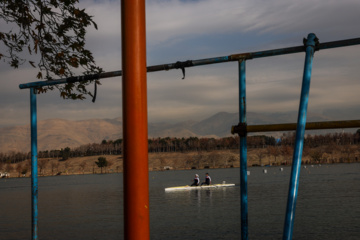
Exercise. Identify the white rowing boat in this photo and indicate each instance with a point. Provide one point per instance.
(187, 187)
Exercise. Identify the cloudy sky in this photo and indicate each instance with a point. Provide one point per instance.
(180, 30)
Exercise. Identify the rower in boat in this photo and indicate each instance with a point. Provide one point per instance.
(196, 181)
(207, 180)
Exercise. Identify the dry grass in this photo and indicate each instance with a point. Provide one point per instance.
(158, 162)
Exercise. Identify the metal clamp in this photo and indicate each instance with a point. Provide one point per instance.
(183, 65)
(240, 129)
(316, 46)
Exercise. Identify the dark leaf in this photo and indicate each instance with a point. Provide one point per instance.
(39, 75)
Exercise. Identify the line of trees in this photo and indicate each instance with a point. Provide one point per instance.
(167, 144)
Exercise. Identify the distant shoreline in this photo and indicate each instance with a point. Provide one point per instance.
(167, 161)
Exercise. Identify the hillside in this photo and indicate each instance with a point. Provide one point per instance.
(60, 133)
(179, 161)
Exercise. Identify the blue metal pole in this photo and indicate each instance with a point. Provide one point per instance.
(34, 164)
(299, 141)
(243, 152)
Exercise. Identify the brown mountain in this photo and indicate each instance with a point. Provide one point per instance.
(60, 133)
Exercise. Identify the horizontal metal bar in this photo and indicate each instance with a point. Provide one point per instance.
(70, 80)
(292, 126)
(268, 53)
(298, 49)
(214, 60)
(192, 63)
(340, 43)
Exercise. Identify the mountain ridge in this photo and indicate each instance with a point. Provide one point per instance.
(61, 133)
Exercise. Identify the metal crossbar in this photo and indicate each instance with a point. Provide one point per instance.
(193, 63)
(243, 129)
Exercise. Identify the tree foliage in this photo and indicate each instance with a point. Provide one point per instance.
(102, 162)
(66, 153)
(53, 29)
(331, 143)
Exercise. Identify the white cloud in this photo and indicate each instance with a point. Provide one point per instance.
(173, 21)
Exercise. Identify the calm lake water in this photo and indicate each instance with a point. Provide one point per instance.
(91, 206)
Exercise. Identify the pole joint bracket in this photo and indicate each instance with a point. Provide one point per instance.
(240, 129)
(183, 65)
(312, 41)
(241, 57)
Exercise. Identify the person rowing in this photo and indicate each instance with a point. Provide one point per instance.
(207, 180)
(196, 180)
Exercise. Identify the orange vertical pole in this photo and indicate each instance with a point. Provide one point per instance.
(136, 173)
